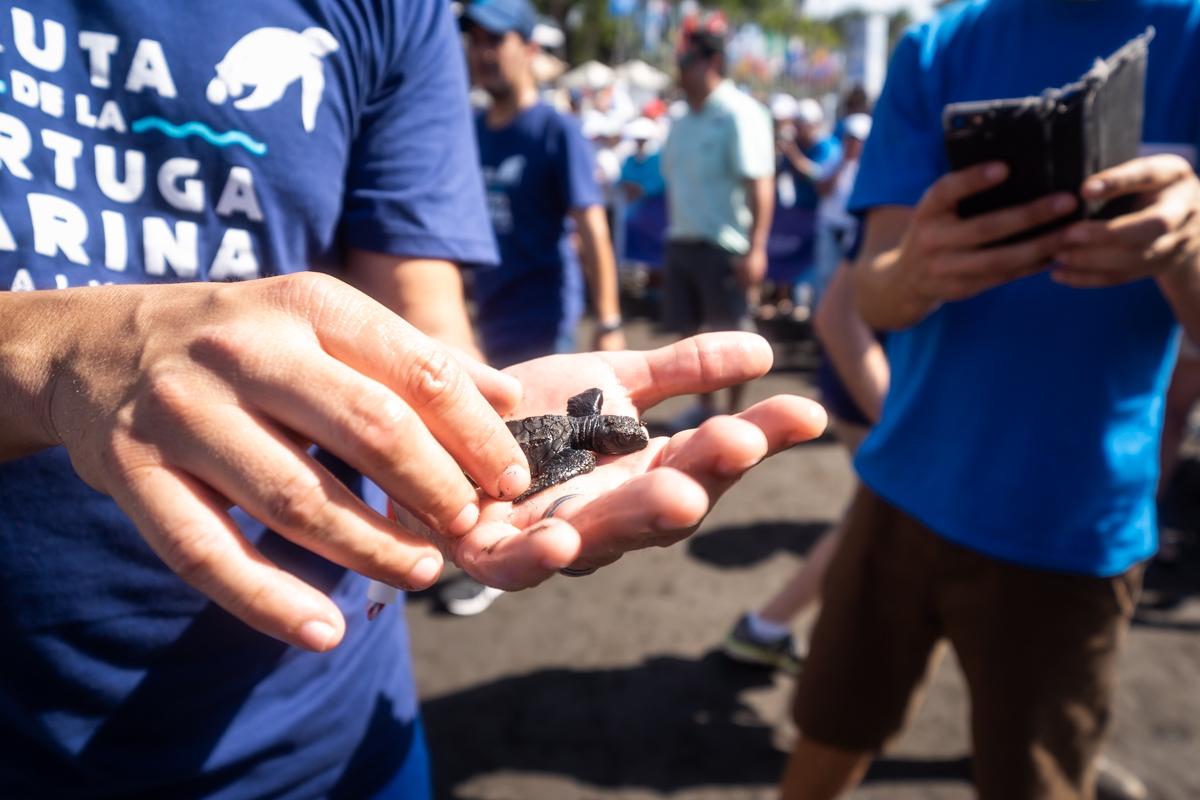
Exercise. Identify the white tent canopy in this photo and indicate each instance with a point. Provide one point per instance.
(589, 75)
(640, 75)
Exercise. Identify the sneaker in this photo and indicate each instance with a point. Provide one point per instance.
(691, 418)
(467, 597)
(742, 646)
(1114, 782)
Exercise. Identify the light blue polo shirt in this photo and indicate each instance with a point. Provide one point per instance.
(707, 157)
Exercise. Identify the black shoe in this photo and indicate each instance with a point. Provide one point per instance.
(743, 646)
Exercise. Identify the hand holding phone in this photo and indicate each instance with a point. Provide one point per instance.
(1055, 141)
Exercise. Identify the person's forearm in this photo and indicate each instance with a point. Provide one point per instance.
(804, 165)
(428, 294)
(28, 322)
(599, 265)
(760, 197)
(851, 346)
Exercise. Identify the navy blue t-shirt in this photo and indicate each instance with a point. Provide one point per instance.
(537, 169)
(140, 142)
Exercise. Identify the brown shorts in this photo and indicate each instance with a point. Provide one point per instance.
(1038, 650)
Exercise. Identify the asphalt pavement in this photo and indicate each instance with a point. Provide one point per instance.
(611, 686)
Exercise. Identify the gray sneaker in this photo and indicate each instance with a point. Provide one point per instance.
(467, 597)
(743, 646)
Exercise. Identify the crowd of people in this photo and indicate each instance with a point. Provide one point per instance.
(196, 473)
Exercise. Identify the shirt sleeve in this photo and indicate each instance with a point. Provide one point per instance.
(577, 167)
(904, 154)
(753, 142)
(413, 185)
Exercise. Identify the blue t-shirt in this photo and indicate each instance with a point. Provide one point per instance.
(825, 153)
(1025, 422)
(537, 170)
(154, 142)
(645, 173)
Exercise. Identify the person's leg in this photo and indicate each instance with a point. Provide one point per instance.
(723, 305)
(819, 772)
(872, 648)
(683, 310)
(803, 588)
(1039, 653)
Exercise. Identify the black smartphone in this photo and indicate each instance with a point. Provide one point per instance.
(1055, 141)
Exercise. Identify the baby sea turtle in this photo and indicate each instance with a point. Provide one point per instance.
(559, 447)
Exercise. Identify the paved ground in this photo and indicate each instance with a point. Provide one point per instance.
(609, 686)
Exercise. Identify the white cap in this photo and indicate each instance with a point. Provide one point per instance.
(598, 125)
(857, 126)
(641, 128)
(783, 107)
(809, 112)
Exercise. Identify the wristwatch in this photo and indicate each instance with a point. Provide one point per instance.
(608, 326)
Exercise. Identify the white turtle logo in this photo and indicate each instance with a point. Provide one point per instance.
(271, 60)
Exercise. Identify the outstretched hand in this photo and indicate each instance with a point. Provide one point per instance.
(654, 497)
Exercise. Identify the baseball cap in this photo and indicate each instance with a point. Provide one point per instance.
(783, 107)
(857, 126)
(809, 112)
(641, 128)
(502, 16)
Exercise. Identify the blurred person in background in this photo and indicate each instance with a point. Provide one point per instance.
(1008, 490)
(809, 158)
(540, 174)
(853, 380)
(855, 101)
(836, 226)
(641, 172)
(717, 163)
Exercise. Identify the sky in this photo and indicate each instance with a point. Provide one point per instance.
(919, 9)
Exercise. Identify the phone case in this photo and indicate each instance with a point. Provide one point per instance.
(1055, 141)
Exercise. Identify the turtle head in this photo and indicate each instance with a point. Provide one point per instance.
(616, 435)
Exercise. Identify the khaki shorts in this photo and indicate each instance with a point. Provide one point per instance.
(1038, 650)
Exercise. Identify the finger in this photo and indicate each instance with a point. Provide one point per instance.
(284, 488)
(374, 341)
(502, 391)
(366, 425)
(694, 365)
(725, 448)
(997, 225)
(995, 265)
(944, 195)
(184, 524)
(1139, 229)
(1148, 174)
(1087, 279)
(501, 555)
(1118, 262)
(654, 509)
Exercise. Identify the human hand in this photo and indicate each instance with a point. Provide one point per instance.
(941, 256)
(654, 497)
(181, 400)
(1160, 238)
(751, 268)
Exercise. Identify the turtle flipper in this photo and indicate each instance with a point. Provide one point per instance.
(585, 404)
(559, 469)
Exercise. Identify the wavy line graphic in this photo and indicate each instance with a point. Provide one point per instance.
(206, 133)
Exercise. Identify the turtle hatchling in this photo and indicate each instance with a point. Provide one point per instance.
(561, 446)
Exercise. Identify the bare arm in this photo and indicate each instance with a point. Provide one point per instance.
(760, 197)
(915, 259)
(600, 269)
(850, 344)
(427, 293)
